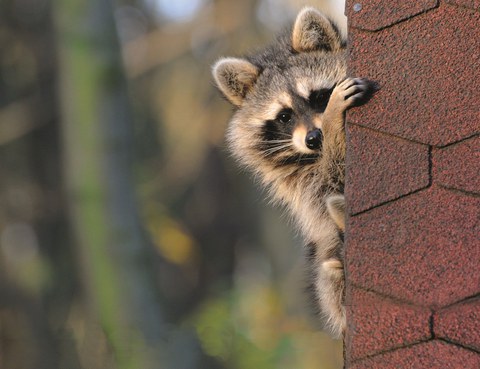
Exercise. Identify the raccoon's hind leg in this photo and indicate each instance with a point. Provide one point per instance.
(332, 283)
(331, 277)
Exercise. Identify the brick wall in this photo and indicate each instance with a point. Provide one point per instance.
(413, 186)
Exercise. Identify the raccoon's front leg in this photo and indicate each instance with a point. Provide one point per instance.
(347, 94)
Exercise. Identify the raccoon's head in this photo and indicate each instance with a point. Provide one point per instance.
(280, 93)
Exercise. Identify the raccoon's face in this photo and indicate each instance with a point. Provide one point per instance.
(282, 93)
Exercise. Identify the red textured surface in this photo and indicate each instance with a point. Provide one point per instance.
(412, 187)
(382, 168)
(474, 4)
(423, 248)
(460, 324)
(429, 355)
(375, 322)
(428, 70)
(458, 166)
(374, 15)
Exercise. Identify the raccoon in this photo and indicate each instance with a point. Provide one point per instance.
(290, 102)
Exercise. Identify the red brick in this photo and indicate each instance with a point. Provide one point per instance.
(460, 323)
(473, 4)
(382, 168)
(375, 14)
(374, 323)
(428, 355)
(458, 166)
(428, 70)
(423, 248)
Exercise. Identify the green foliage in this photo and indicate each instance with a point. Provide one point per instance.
(259, 334)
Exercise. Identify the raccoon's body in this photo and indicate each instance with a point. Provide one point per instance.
(288, 128)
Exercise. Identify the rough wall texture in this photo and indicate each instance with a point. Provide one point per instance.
(413, 186)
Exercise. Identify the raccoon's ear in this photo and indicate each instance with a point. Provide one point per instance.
(235, 78)
(313, 31)
(336, 209)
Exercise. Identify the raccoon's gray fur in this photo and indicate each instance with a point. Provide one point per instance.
(288, 128)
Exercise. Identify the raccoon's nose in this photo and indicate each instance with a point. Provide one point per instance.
(314, 139)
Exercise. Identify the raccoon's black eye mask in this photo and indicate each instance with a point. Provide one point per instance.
(318, 99)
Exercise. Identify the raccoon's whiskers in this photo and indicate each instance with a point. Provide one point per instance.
(275, 141)
(308, 159)
(277, 148)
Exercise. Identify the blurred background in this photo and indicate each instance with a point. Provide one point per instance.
(128, 237)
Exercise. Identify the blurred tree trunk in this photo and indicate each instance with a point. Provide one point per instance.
(120, 292)
(33, 253)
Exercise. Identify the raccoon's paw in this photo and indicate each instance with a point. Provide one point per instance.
(331, 296)
(333, 268)
(336, 322)
(354, 92)
(330, 288)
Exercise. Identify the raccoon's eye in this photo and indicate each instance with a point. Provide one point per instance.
(284, 116)
(319, 99)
